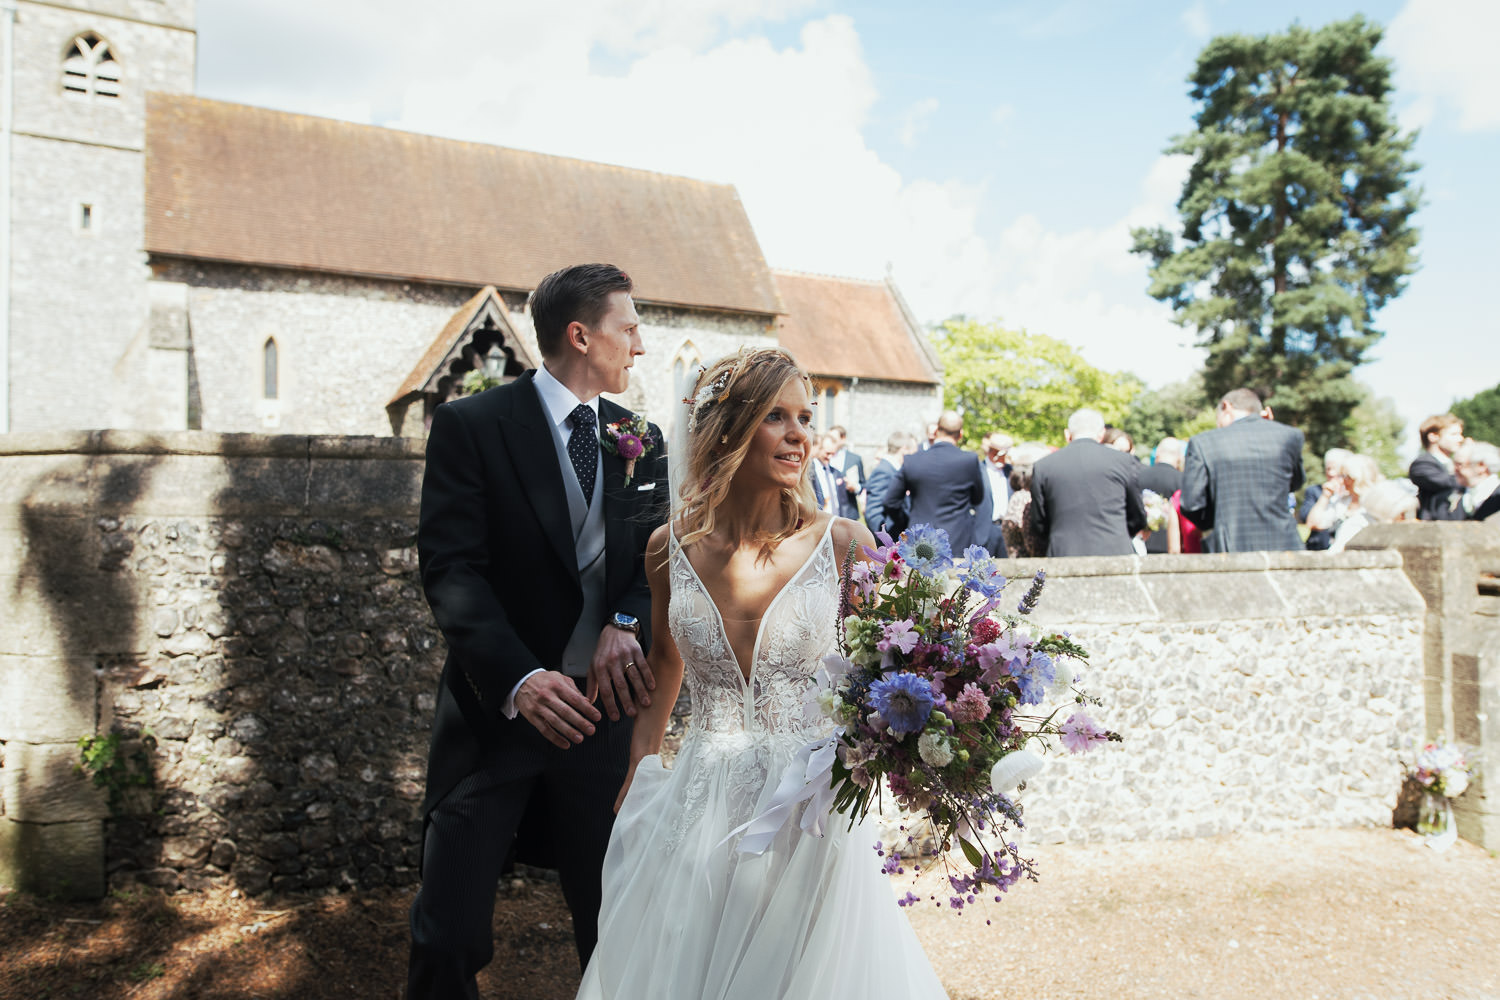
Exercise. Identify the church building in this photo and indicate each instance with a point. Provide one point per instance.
(174, 262)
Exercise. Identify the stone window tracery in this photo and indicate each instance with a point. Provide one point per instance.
(90, 68)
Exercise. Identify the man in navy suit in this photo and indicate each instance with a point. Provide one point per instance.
(1086, 498)
(1237, 479)
(945, 484)
(1438, 490)
(532, 554)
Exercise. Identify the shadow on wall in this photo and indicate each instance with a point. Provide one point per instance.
(73, 622)
(289, 669)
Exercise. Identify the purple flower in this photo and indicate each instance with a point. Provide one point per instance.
(904, 701)
(901, 635)
(629, 446)
(908, 899)
(1079, 732)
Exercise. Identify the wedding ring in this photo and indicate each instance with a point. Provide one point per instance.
(630, 664)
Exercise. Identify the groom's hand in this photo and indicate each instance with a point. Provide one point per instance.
(551, 701)
(619, 674)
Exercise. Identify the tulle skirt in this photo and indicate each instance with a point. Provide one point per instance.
(686, 917)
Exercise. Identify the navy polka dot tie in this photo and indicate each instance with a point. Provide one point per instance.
(583, 449)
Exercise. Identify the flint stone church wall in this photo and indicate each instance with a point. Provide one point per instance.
(244, 613)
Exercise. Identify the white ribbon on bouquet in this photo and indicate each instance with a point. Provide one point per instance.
(808, 777)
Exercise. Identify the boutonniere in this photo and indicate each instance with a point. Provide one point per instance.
(632, 439)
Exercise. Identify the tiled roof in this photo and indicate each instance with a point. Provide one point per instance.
(851, 328)
(248, 185)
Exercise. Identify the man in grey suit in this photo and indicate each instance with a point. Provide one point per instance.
(945, 483)
(1236, 479)
(1086, 498)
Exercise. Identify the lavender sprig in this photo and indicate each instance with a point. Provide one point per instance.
(1029, 602)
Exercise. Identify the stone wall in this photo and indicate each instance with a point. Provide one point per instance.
(1456, 567)
(243, 614)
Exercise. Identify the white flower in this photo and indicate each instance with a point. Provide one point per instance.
(1065, 675)
(1455, 782)
(828, 703)
(934, 749)
(1014, 768)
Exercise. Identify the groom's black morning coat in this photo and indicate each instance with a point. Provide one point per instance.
(499, 568)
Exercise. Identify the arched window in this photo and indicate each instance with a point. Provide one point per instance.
(90, 69)
(684, 371)
(268, 368)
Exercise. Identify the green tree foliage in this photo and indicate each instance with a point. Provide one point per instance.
(1481, 415)
(1022, 383)
(1175, 410)
(1373, 428)
(1295, 218)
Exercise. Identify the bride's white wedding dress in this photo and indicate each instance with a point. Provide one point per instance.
(686, 917)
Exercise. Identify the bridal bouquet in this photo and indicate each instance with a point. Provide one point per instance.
(939, 693)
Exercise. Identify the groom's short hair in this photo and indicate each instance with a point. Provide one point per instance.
(579, 293)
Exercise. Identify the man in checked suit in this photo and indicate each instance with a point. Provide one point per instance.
(531, 543)
(1236, 479)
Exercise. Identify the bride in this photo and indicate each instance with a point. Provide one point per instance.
(745, 592)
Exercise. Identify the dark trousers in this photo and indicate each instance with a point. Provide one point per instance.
(470, 833)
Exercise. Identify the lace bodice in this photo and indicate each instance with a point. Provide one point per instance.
(795, 634)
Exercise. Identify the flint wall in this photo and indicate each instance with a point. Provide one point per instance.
(242, 612)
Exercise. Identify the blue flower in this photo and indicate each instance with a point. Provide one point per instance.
(1034, 678)
(904, 701)
(926, 549)
(982, 574)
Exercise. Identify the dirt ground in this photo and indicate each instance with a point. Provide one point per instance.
(1311, 914)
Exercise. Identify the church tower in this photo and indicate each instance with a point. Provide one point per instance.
(79, 346)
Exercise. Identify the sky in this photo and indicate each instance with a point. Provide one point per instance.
(990, 157)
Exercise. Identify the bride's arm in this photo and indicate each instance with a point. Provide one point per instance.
(664, 660)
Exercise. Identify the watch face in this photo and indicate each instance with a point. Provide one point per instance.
(622, 620)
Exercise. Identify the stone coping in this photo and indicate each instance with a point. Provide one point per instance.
(130, 442)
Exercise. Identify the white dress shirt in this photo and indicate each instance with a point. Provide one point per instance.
(558, 402)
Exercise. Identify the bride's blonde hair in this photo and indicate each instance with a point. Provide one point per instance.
(729, 400)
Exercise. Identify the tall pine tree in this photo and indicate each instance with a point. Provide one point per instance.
(1295, 218)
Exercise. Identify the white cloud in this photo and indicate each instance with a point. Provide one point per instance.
(914, 122)
(1003, 114)
(1195, 20)
(1444, 50)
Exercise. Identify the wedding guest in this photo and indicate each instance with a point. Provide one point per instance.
(1478, 464)
(1086, 498)
(1341, 509)
(1017, 524)
(828, 483)
(1164, 478)
(852, 467)
(996, 492)
(877, 515)
(1438, 490)
(1390, 500)
(1119, 440)
(1318, 539)
(944, 482)
(1237, 477)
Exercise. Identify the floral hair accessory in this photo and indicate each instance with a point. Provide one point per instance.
(715, 391)
(632, 439)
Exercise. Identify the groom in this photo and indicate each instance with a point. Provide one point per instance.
(531, 545)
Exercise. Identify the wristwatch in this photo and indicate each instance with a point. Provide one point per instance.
(629, 623)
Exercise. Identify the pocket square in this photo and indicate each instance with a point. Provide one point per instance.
(644, 487)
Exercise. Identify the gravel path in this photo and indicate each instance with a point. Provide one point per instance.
(1307, 914)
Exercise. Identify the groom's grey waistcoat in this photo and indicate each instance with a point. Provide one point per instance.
(587, 520)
